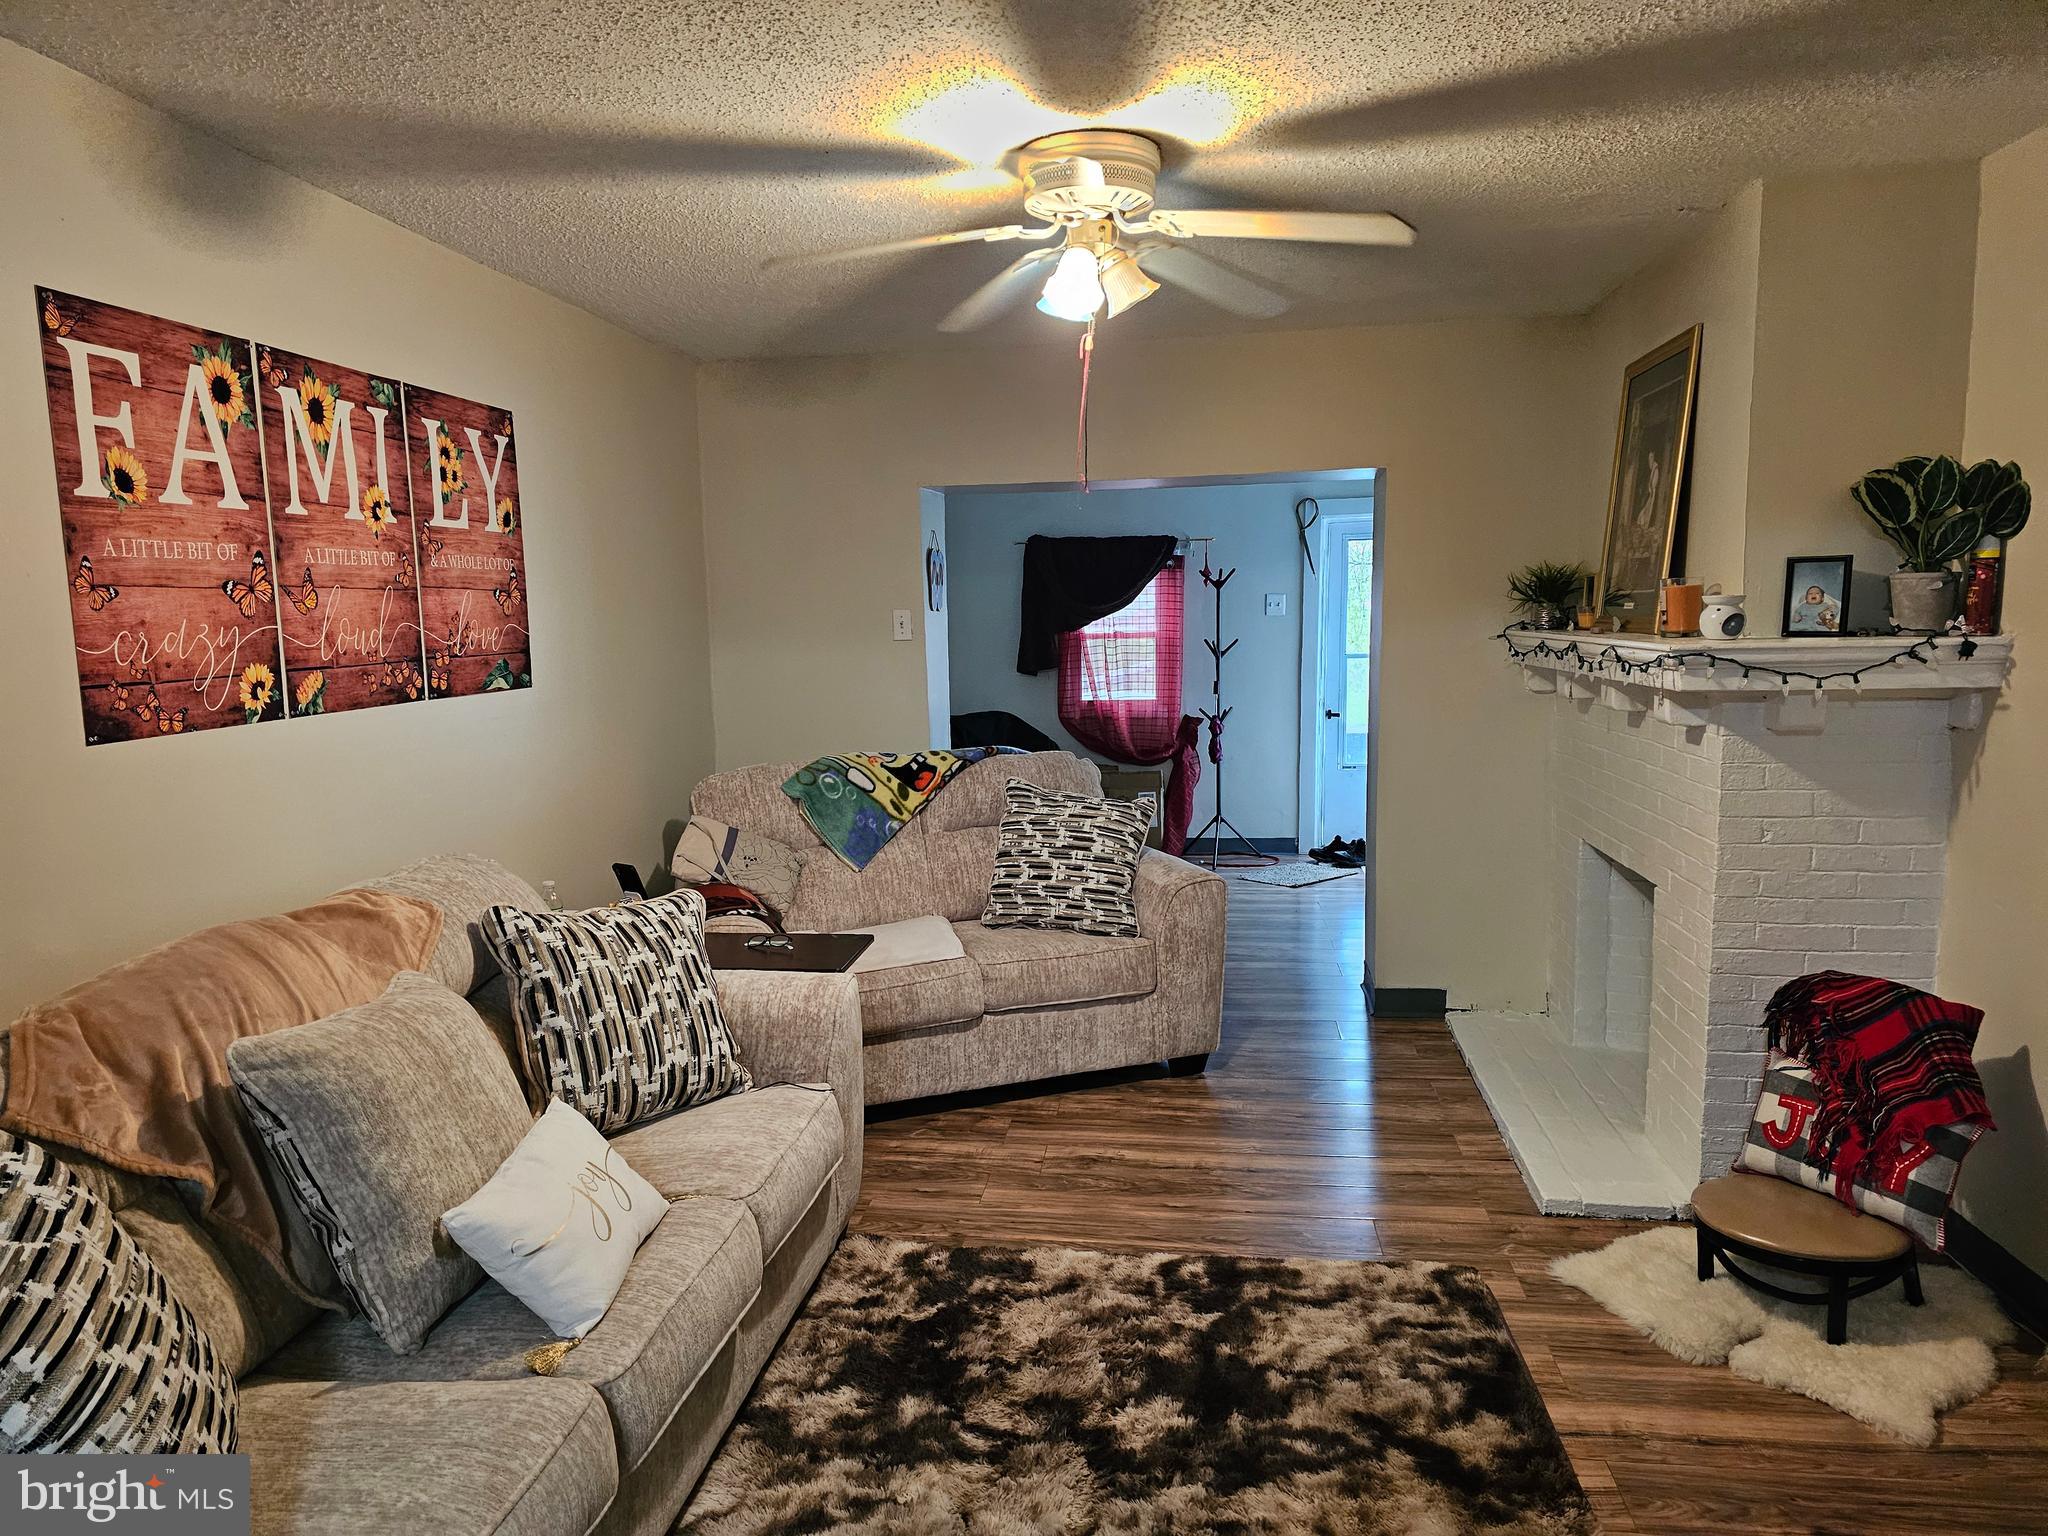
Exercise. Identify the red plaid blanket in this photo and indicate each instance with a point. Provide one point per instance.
(1891, 1064)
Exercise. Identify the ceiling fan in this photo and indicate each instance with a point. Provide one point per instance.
(1105, 245)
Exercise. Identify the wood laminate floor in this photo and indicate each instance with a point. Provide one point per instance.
(1317, 1132)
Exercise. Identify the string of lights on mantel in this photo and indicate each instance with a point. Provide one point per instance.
(1611, 660)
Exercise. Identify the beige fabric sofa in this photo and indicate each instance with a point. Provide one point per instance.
(461, 1439)
(1023, 1003)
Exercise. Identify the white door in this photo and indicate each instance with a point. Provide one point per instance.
(1345, 688)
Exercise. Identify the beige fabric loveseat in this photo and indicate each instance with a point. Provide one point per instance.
(346, 1438)
(1021, 1003)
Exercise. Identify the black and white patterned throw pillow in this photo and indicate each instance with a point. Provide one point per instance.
(1067, 861)
(616, 1009)
(96, 1354)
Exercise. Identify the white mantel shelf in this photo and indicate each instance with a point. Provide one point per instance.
(1684, 690)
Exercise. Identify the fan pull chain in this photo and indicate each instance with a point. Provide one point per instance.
(1087, 356)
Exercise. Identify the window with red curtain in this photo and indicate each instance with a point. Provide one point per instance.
(1120, 680)
(1120, 677)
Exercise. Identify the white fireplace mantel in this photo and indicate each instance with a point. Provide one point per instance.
(1712, 835)
(1682, 687)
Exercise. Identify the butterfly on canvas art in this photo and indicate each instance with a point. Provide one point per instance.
(55, 320)
(306, 598)
(152, 710)
(97, 595)
(257, 591)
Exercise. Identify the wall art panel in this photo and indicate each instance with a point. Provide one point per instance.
(166, 539)
(342, 527)
(472, 561)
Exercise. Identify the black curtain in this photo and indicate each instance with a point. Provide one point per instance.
(1070, 583)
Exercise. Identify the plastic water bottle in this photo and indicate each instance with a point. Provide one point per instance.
(551, 895)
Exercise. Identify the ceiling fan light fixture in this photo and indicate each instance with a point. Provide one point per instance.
(1074, 291)
(1124, 282)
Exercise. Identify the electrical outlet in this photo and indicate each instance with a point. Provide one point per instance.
(1276, 605)
(906, 624)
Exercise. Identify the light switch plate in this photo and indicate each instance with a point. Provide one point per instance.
(1276, 605)
(906, 625)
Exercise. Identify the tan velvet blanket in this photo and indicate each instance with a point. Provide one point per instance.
(132, 1066)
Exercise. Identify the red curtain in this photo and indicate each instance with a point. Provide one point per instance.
(1120, 692)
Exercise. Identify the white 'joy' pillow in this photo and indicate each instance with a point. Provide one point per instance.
(559, 1222)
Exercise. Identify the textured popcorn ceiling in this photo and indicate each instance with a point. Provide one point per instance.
(641, 159)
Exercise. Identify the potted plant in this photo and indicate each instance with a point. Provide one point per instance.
(1546, 593)
(1936, 512)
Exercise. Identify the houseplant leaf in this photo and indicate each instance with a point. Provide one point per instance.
(1547, 584)
(1941, 482)
(1911, 465)
(1981, 481)
(1950, 537)
(1889, 499)
(2005, 514)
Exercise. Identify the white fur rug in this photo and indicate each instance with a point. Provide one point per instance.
(1901, 1367)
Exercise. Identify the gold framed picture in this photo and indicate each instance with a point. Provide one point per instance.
(1645, 496)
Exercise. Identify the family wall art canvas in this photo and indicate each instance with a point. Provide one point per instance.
(252, 534)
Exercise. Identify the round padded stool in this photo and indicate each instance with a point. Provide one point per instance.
(1764, 1220)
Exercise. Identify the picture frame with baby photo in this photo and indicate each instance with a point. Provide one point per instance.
(1817, 595)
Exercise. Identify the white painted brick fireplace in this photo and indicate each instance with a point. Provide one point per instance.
(1712, 838)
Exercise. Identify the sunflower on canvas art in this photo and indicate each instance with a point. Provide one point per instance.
(258, 686)
(377, 510)
(448, 456)
(225, 383)
(316, 400)
(125, 478)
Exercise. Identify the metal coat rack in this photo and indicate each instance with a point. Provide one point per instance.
(1216, 714)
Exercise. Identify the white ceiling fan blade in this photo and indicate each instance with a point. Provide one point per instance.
(1244, 224)
(1210, 281)
(1000, 292)
(915, 243)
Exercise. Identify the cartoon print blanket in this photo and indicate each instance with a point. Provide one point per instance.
(857, 801)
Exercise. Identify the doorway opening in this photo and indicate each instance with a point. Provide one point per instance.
(1274, 615)
(1340, 617)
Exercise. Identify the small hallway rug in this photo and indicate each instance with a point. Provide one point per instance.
(1292, 875)
(1049, 1390)
(1901, 1368)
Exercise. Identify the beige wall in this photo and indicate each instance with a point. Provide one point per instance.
(1837, 324)
(1711, 281)
(107, 849)
(1862, 346)
(1997, 907)
(811, 475)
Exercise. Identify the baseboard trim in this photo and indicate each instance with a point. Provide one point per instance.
(1244, 845)
(2020, 1290)
(1409, 1002)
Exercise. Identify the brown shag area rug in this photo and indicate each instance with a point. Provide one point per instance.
(1014, 1391)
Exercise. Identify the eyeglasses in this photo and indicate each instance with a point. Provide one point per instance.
(779, 943)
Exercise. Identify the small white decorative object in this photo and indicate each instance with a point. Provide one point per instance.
(559, 1222)
(1722, 617)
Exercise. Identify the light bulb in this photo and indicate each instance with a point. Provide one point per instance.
(1074, 291)
(1124, 282)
